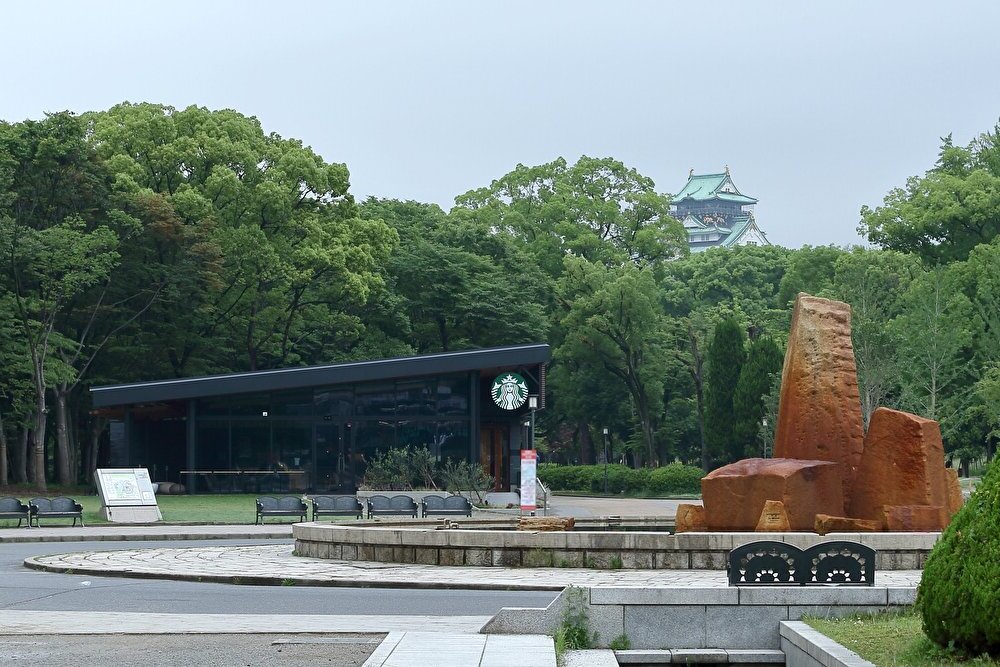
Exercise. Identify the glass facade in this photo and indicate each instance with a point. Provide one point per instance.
(321, 439)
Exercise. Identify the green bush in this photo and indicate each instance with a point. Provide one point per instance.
(959, 593)
(674, 478)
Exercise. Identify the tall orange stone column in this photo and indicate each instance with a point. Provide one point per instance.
(819, 413)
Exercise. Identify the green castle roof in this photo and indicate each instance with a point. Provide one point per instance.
(701, 187)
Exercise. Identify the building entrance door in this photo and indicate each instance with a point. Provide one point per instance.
(494, 446)
(334, 467)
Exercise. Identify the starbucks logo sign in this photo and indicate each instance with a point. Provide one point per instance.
(509, 391)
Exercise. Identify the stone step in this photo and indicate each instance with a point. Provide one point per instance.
(702, 656)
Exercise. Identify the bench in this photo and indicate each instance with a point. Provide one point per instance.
(769, 563)
(446, 506)
(399, 505)
(55, 508)
(284, 506)
(336, 506)
(12, 508)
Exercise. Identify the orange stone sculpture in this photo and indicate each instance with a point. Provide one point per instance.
(690, 518)
(842, 524)
(914, 518)
(734, 495)
(819, 411)
(903, 464)
(773, 518)
(955, 498)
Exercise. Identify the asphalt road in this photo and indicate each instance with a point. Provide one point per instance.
(21, 588)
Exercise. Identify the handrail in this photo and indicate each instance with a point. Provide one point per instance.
(544, 495)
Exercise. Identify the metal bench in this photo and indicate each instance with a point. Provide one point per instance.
(284, 506)
(12, 508)
(769, 563)
(398, 505)
(336, 506)
(446, 506)
(60, 507)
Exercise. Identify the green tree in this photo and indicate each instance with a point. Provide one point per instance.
(810, 269)
(612, 316)
(725, 359)
(764, 360)
(944, 214)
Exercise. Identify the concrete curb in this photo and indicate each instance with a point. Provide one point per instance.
(807, 647)
(257, 580)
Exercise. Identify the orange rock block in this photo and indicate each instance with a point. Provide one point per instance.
(914, 518)
(773, 518)
(955, 498)
(690, 518)
(842, 524)
(734, 495)
(819, 412)
(903, 465)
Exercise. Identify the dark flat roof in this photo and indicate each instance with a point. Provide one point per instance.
(311, 376)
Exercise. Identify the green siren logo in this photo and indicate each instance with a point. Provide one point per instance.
(509, 391)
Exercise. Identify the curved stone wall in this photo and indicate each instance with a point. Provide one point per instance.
(596, 543)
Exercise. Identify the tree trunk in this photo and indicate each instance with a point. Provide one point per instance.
(586, 443)
(64, 465)
(38, 444)
(699, 390)
(93, 455)
(21, 457)
(4, 472)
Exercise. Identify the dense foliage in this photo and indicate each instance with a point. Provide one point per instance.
(958, 594)
(146, 242)
(409, 468)
(667, 480)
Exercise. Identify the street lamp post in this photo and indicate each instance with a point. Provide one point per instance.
(605, 459)
(532, 405)
(763, 424)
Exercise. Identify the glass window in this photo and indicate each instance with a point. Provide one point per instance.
(249, 405)
(212, 447)
(297, 403)
(452, 441)
(334, 401)
(293, 453)
(416, 398)
(453, 395)
(417, 434)
(371, 439)
(213, 407)
(376, 399)
(252, 446)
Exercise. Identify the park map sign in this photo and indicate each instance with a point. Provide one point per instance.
(127, 495)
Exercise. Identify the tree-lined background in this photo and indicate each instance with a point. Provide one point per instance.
(145, 242)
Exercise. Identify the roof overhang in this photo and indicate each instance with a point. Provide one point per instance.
(311, 376)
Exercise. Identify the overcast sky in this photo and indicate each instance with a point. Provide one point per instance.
(817, 108)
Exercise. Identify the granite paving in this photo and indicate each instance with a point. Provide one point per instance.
(276, 564)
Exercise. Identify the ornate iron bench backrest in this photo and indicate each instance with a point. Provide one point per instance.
(378, 502)
(402, 502)
(345, 503)
(434, 502)
(457, 503)
(12, 505)
(267, 503)
(41, 504)
(769, 563)
(64, 504)
(291, 503)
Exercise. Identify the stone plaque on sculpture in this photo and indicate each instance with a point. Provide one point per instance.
(773, 518)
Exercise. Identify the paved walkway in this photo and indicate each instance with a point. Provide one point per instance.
(419, 649)
(116, 533)
(275, 564)
(587, 506)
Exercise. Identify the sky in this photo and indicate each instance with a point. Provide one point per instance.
(817, 108)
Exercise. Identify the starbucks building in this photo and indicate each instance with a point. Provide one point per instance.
(313, 429)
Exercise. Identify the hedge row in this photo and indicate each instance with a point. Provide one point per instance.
(667, 480)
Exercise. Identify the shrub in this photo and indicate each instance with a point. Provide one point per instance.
(958, 594)
(674, 478)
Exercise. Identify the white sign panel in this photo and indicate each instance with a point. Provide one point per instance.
(127, 495)
(529, 461)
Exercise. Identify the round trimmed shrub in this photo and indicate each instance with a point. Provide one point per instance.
(959, 593)
(675, 478)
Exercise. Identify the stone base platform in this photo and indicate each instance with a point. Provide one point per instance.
(614, 544)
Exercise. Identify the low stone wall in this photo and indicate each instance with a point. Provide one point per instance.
(805, 647)
(624, 544)
(698, 618)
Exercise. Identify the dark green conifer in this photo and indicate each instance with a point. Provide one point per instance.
(725, 358)
(764, 359)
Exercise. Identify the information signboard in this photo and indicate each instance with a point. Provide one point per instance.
(529, 461)
(127, 495)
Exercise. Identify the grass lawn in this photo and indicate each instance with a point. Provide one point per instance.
(201, 509)
(890, 639)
